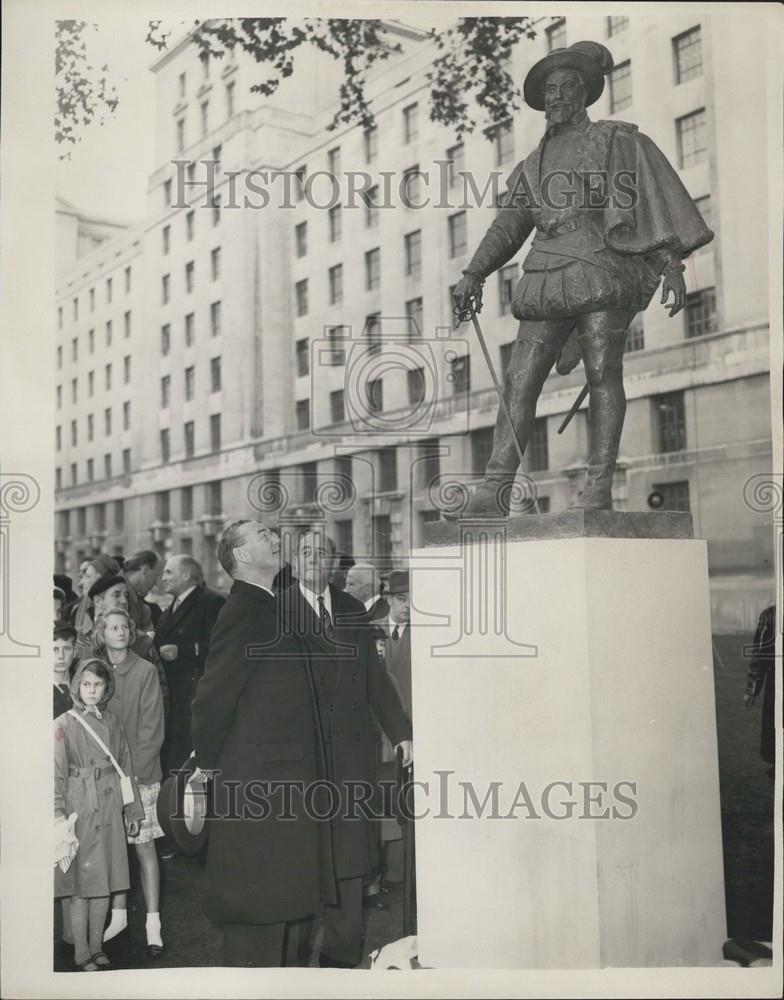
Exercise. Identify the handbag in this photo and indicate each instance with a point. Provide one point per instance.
(126, 782)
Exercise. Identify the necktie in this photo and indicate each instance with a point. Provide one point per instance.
(326, 621)
(395, 633)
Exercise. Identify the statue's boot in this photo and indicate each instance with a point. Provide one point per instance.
(529, 366)
(603, 353)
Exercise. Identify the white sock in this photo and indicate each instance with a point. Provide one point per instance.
(118, 923)
(154, 929)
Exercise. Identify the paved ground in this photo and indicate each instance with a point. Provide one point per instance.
(747, 818)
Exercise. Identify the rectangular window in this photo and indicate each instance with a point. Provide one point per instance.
(215, 498)
(615, 25)
(687, 55)
(461, 374)
(216, 210)
(165, 391)
(126, 369)
(58, 482)
(344, 536)
(126, 460)
(373, 269)
(109, 333)
(336, 284)
(81, 513)
(344, 470)
(413, 253)
(127, 280)
(126, 416)
(190, 379)
(411, 187)
(91, 341)
(672, 421)
(230, 99)
(429, 463)
(215, 318)
(215, 375)
(60, 394)
(205, 117)
(309, 482)
(167, 190)
(337, 407)
(92, 300)
(336, 336)
(333, 160)
(75, 349)
(370, 139)
(74, 481)
(414, 317)
(190, 329)
(189, 439)
(163, 506)
(90, 470)
(205, 65)
(215, 261)
(74, 390)
(458, 237)
(537, 453)
(165, 339)
(190, 268)
(387, 469)
(335, 223)
(301, 235)
(481, 449)
(186, 503)
(456, 156)
(303, 357)
(701, 313)
(107, 466)
(556, 35)
(59, 317)
(127, 324)
(382, 536)
(60, 356)
(217, 152)
(410, 123)
(373, 333)
(635, 336)
(119, 515)
(190, 223)
(182, 86)
(375, 395)
(166, 237)
(301, 290)
(504, 143)
(300, 175)
(370, 198)
(90, 427)
(692, 138)
(416, 385)
(108, 290)
(107, 421)
(165, 289)
(507, 279)
(180, 144)
(676, 495)
(621, 87)
(303, 414)
(107, 377)
(215, 432)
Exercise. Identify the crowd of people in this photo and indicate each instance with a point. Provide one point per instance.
(299, 681)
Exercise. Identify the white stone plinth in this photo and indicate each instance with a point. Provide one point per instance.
(606, 676)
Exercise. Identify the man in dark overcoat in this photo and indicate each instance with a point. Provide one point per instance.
(351, 686)
(255, 722)
(183, 642)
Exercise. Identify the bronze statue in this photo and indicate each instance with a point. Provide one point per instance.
(611, 217)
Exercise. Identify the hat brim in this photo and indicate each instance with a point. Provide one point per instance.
(183, 812)
(589, 70)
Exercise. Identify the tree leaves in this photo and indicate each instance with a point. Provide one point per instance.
(83, 92)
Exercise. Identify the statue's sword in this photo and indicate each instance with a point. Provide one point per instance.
(461, 316)
(575, 407)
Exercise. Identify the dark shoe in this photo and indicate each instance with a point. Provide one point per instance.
(88, 965)
(490, 499)
(154, 950)
(332, 963)
(375, 902)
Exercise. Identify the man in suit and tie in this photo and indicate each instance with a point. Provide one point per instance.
(350, 683)
(183, 641)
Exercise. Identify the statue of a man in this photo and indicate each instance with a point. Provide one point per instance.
(611, 217)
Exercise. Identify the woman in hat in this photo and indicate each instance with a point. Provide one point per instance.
(87, 783)
(89, 574)
(138, 703)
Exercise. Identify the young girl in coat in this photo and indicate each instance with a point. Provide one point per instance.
(138, 703)
(87, 783)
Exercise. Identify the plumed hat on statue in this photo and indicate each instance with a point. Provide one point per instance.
(592, 60)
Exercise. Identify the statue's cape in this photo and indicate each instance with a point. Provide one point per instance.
(664, 215)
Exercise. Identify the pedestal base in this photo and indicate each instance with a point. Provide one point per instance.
(571, 763)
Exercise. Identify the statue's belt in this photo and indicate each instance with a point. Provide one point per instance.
(577, 253)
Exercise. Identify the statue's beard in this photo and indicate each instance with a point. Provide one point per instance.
(560, 114)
